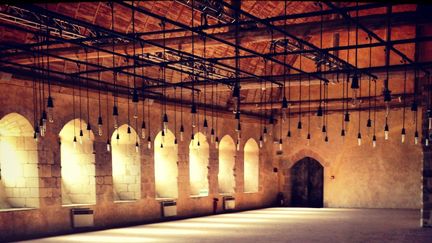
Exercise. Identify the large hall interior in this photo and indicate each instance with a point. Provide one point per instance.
(215, 121)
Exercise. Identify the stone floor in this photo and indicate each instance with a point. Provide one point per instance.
(273, 225)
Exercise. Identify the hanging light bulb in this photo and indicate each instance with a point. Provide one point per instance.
(289, 134)
(355, 87)
(129, 131)
(238, 130)
(108, 145)
(198, 144)
(265, 134)
(386, 132)
(403, 135)
(165, 122)
(50, 107)
(217, 142)
(175, 141)
(192, 137)
(161, 146)
(149, 142)
(272, 123)
(163, 136)
(118, 138)
(308, 139)
(194, 115)
(324, 130)
(41, 128)
(426, 142)
(100, 123)
(369, 125)
(416, 136)
(238, 145)
(181, 132)
(143, 130)
(346, 120)
(320, 110)
(236, 97)
(261, 142)
(299, 125)
(280, 144)
(115, 116)
(343, 135)
(81, 135)
(88, 128)
(387, 96)
(135, 103)
(205, 126)
(429, 112)
(284, 108)
(74, 141)
(212, 135)
(44, 120)
(374, 141)
(136, 147)
(35, 135)
(359, 139)
(414, 109)
(326, 139)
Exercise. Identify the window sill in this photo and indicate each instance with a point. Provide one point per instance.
(125, 201)
(161, 199)
(198, 196)
(78, 205)
(16, 209)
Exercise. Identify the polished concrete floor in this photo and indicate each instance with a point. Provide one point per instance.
(273, 225)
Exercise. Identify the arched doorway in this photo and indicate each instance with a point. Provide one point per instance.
(307, 183)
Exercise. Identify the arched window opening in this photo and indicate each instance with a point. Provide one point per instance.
(19, 177)
(77, 164)
(251, 166)
(165, 163)
(126, 165)
(198, 165)
(227, 152)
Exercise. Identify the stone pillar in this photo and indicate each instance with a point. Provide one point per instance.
(103, 166)
(423, 54)
(147, 171)
(183, 182)
(49, 165)
(213, 170)
(426, 210)
(239, 169)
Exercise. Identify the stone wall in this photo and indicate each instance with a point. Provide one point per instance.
(354, 176)
(386, 176)
(19, 173)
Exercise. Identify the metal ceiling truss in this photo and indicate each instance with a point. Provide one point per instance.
(61, 29)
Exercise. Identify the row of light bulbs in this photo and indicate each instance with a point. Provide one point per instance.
(49, 116)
